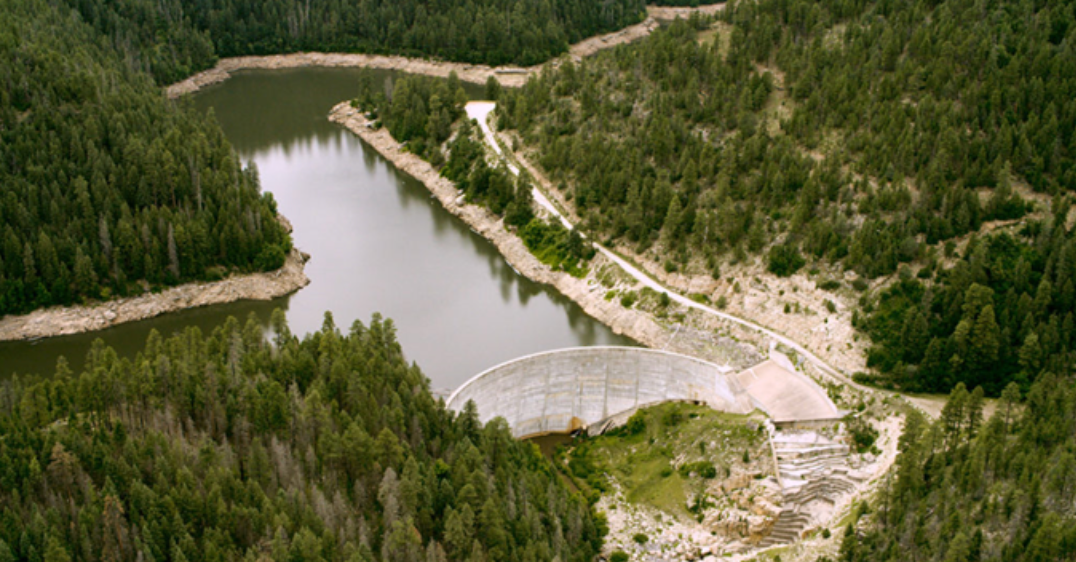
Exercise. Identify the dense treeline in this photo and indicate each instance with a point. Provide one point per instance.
(416, 110)
(106, 188)
(621, 127)
(866, 134)
(228, 446)
(413, 110)
(967, 491)
(175, 38)
(680, 139)
(1003, 312)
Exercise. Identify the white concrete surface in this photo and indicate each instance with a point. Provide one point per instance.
(568, 389)
(785, 394)
(564, 390)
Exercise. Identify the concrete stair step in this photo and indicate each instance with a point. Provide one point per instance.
(801, 448)
(813, 468)
(792, 456)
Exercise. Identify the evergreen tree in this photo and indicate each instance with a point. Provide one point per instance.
(203, 460)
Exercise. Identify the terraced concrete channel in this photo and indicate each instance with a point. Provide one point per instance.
(593, 389)
(813, 470)
(597, 389)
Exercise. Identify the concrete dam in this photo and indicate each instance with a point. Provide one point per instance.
(592, 387)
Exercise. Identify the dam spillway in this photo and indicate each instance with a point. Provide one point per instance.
(569, 389)
(565, 390)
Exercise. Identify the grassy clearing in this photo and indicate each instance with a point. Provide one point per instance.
(667, 454)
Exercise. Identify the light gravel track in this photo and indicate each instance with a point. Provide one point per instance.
(481, 110)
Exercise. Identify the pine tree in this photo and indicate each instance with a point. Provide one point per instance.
(983, 346)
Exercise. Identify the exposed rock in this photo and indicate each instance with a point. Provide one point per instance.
(60, 321)
(633, 323)
(476, 73)
(735, 482)
(758, 526)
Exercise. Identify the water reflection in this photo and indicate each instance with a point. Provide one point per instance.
(40, 357)
(379, 243)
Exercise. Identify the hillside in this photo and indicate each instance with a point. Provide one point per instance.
(106, 189)
(228, 446)
(176, 38)
(869, 139)
(965, 488)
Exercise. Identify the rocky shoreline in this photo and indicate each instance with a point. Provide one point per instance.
(62, 321)
(587, 292)
(509, 76)
(467, 72)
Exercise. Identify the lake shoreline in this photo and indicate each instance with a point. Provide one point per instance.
(69, 320)
(586, 292)
(508, 76)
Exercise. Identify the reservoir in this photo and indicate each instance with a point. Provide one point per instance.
(378, 241)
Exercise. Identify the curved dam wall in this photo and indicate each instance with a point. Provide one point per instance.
(564, 390)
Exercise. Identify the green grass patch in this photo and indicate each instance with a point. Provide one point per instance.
(665, 454)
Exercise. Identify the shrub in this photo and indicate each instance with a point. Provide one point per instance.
(671, 418)
(271, 257)
(636, 424)
(705, 469)
(640, 538)
(628, 299)
(619, 556)
(557, 247)
(215, 273)
(862, 432)
(829, 285)
(785, 259)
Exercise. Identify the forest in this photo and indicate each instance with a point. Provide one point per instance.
(427, 115)
(232, 446)
(107, 189)
(1002, 313)
(965, 488)
(173, 39)
(874, 137)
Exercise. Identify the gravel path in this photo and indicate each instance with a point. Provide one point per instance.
(481, 110)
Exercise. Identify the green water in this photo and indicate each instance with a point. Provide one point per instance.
(378, 241)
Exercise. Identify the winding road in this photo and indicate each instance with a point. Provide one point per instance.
(480, 111)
